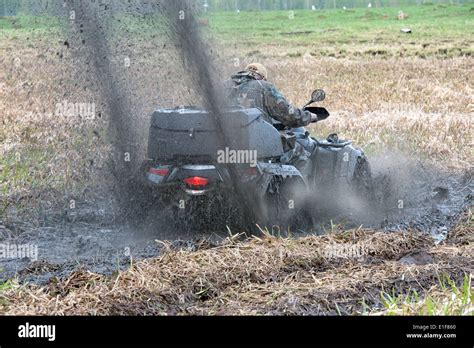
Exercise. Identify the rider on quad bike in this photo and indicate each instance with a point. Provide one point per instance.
(185, 170)
(250, 88)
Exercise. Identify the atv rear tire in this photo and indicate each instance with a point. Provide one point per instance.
(362, 182)
(285, 209)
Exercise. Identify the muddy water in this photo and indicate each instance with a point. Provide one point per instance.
(416, 195)
(433, 203)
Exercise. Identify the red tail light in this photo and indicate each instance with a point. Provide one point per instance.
(159, 171)
(196, 181)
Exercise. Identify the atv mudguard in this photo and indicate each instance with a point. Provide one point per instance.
(270, 170)
(335, 163)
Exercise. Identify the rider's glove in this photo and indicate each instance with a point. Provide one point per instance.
(314, 118)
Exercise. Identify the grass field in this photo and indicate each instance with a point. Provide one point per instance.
(409, 93)
(437, 29)
(440, 30)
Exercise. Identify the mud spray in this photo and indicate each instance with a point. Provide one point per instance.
(90, 26)
(200, 63)
(407, 194)
(414, 195)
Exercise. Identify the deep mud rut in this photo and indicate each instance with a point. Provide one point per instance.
(90, 240)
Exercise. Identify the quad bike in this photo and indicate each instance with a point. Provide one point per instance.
(185, 169)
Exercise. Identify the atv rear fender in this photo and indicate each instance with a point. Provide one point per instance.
(335, 163)
(270, 170)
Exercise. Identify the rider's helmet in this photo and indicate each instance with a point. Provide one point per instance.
(258, 69)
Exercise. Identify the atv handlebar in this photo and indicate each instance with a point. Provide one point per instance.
(322, 113)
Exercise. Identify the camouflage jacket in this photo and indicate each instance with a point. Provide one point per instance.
(245, 90)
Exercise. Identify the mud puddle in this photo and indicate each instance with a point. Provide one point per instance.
(432, 203)
(37, 254)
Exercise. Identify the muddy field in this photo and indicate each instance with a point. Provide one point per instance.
(91, 253)
(95, 239)
(270, 275)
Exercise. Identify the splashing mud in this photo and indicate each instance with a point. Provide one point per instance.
(91, 26)
(408, 194)
(411, 194)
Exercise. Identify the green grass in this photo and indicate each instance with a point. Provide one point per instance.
(301, 27)
(23, 170)
(450, 22)
(445, 299)
(26, 27)
(5, 286)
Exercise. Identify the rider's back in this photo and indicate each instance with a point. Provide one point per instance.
(244, 90)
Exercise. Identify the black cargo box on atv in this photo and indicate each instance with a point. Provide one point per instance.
(191, 132)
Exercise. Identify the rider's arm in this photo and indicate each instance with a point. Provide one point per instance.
(280, 109)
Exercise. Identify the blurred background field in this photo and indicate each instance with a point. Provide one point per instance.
(437, 30)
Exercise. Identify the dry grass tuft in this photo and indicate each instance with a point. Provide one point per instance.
(340, 273)
(463, 232)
